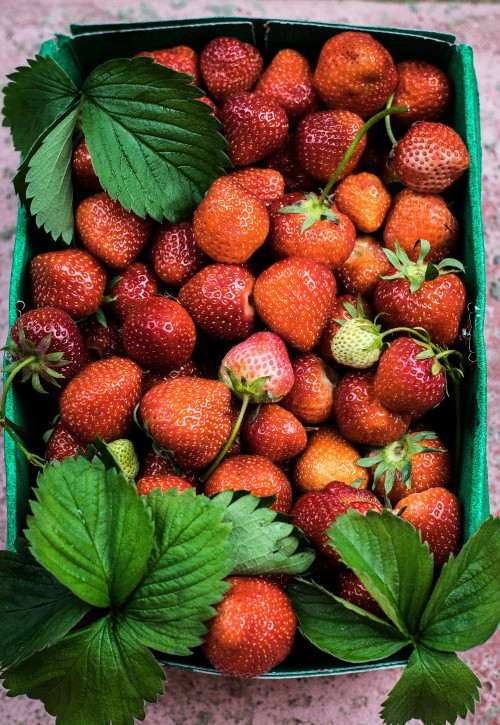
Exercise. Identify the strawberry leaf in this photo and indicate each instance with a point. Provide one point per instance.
(90, 529)
(38, 94)
(97, 675)
(340, 628)
(435, 687)
(262, 540)
(464, 608)
(154, 147)
(387, 554)
(183, 582)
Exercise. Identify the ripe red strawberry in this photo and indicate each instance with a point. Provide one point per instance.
(253, 629)
(254, 127)
(110, 232)
(189, 416)
(154, 464)
(181, 58)
(288, 80)
(256, 474)
(361, 272)
(151, 378)
(311, 397)
(322, 139)
(101, 338)
(267, 184)
(436, 513)
(355, 72)
(294, 297)
(346, 495)
(71, 279)
(83, 171)
(352, 590)
(424, 89)
(274, 432)
(175, 255)
(328, 457)
(159, 334)
(339, 312)
(415, 216)
(361, 418)
(286, 162)
(409, 378)
(137, 282)
(165, 482)
(231, 223)
(228, 66)
(430, 157)
(101, 399)
(364, 199)
(63, 444)
(218, 300)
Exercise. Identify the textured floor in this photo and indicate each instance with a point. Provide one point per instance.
(191, 699)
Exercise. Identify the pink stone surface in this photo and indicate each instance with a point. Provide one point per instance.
(192, 699)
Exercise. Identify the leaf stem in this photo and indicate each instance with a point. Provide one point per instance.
(229, 442)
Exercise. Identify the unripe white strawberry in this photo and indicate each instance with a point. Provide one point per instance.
(124, 452)
(357, 344)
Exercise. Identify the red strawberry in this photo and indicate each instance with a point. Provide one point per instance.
(424, 89)
(346, 495)
(274, 432)
(267, 184)
(356, 73)
(231, 223)
(254, 127)
(102, 339)
(181, 58)
(174, 253)
(256, 474)
(228, 66)
(158, 333)
(322, 139)
(165, 482)
(436, 513)
(364, 199)
(83, 171)
(430, 157)
(189, 416)
(311, 397)
(154, 464)
(218, 300)
(110, 232)
(137, 282)
(101, 399)
(352, 590)
(339, 312)
(294, 297)
(70, 279)
(189, 370)
(288, 80)
(361, 272)
(63, 444)
(253, 629)
(361, 418)
(285, 161)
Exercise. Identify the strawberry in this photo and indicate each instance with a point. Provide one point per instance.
(294, 297)
(352, 590)
(174, 253)
(71, 279)
(288, 80)
(101, 399)
(189, 416)
(322, 139)
(361, 272)
(83, 171)
(436, 513)
(62, 444)
(347, 495)
(137, 282)
(285, 161)
(356, 73)
(123, 451)
(254, 127)
(328, 457)
(430, 157)
(218, 300)
(419, 294)
(228, 66)
(151, 378)
(364, 199)
(253, 629)
(341, 310)
(181, 58)
(256, 474)
(231, 223)
(164, 482)
(424, 89)
(311, 397)
(358, 342)
(158, 333)
(361, 418)
(415, 216)
(266, 184)
(102, 339)
(274, 432)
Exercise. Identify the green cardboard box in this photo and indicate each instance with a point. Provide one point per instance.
(90, 45)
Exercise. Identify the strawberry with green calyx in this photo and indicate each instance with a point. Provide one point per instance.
(339, 312)
(358, 343)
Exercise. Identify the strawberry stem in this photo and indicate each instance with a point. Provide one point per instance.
(229, 442)
(387, 121)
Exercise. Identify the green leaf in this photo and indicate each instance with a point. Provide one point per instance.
(154, 147)
(190, 559)
(91, 530)
(262, 540)
(464, 608)
(387, 554)
(38, 94)
(435, 687)
(97, 675)
(35, 609)
(340, 628)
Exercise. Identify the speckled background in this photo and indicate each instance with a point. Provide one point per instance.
(192, 699)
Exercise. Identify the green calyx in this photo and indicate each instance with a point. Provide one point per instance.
(358, 343)
(420, 271)
(315, 210)
(34, 361)
(255, 390)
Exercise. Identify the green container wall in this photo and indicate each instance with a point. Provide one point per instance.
(91, 45)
